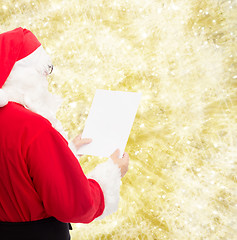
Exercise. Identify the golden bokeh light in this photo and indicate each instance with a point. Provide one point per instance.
(181, 55)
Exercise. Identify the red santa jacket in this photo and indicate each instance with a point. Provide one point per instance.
(39, 175)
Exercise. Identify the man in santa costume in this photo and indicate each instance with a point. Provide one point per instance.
(42, 185)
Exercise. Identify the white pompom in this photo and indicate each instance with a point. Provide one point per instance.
(3, 98)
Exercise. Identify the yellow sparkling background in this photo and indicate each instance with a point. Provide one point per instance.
(182, 56)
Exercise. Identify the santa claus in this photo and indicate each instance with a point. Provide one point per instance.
(42, 185)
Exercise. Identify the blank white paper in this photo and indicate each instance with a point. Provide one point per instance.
(109, 122)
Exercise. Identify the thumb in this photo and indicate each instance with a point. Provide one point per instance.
(86, 140)
(115, 153)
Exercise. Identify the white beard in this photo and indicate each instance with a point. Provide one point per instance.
(29, 87)
(44, 103)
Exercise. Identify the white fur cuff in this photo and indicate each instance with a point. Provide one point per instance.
(108, 175)
(3, 98)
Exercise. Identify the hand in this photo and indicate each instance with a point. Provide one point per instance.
(122, 162)
(78, 142)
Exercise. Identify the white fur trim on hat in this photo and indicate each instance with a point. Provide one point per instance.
(3, 98)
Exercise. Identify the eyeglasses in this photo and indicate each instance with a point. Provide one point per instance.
(50, 68)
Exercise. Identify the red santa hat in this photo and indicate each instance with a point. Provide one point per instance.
(14, 46)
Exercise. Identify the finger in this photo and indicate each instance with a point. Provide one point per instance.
(115, 153)
(77, 138)
(86, 140)
(125, 156)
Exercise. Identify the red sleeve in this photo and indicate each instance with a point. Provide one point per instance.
(58, 178)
